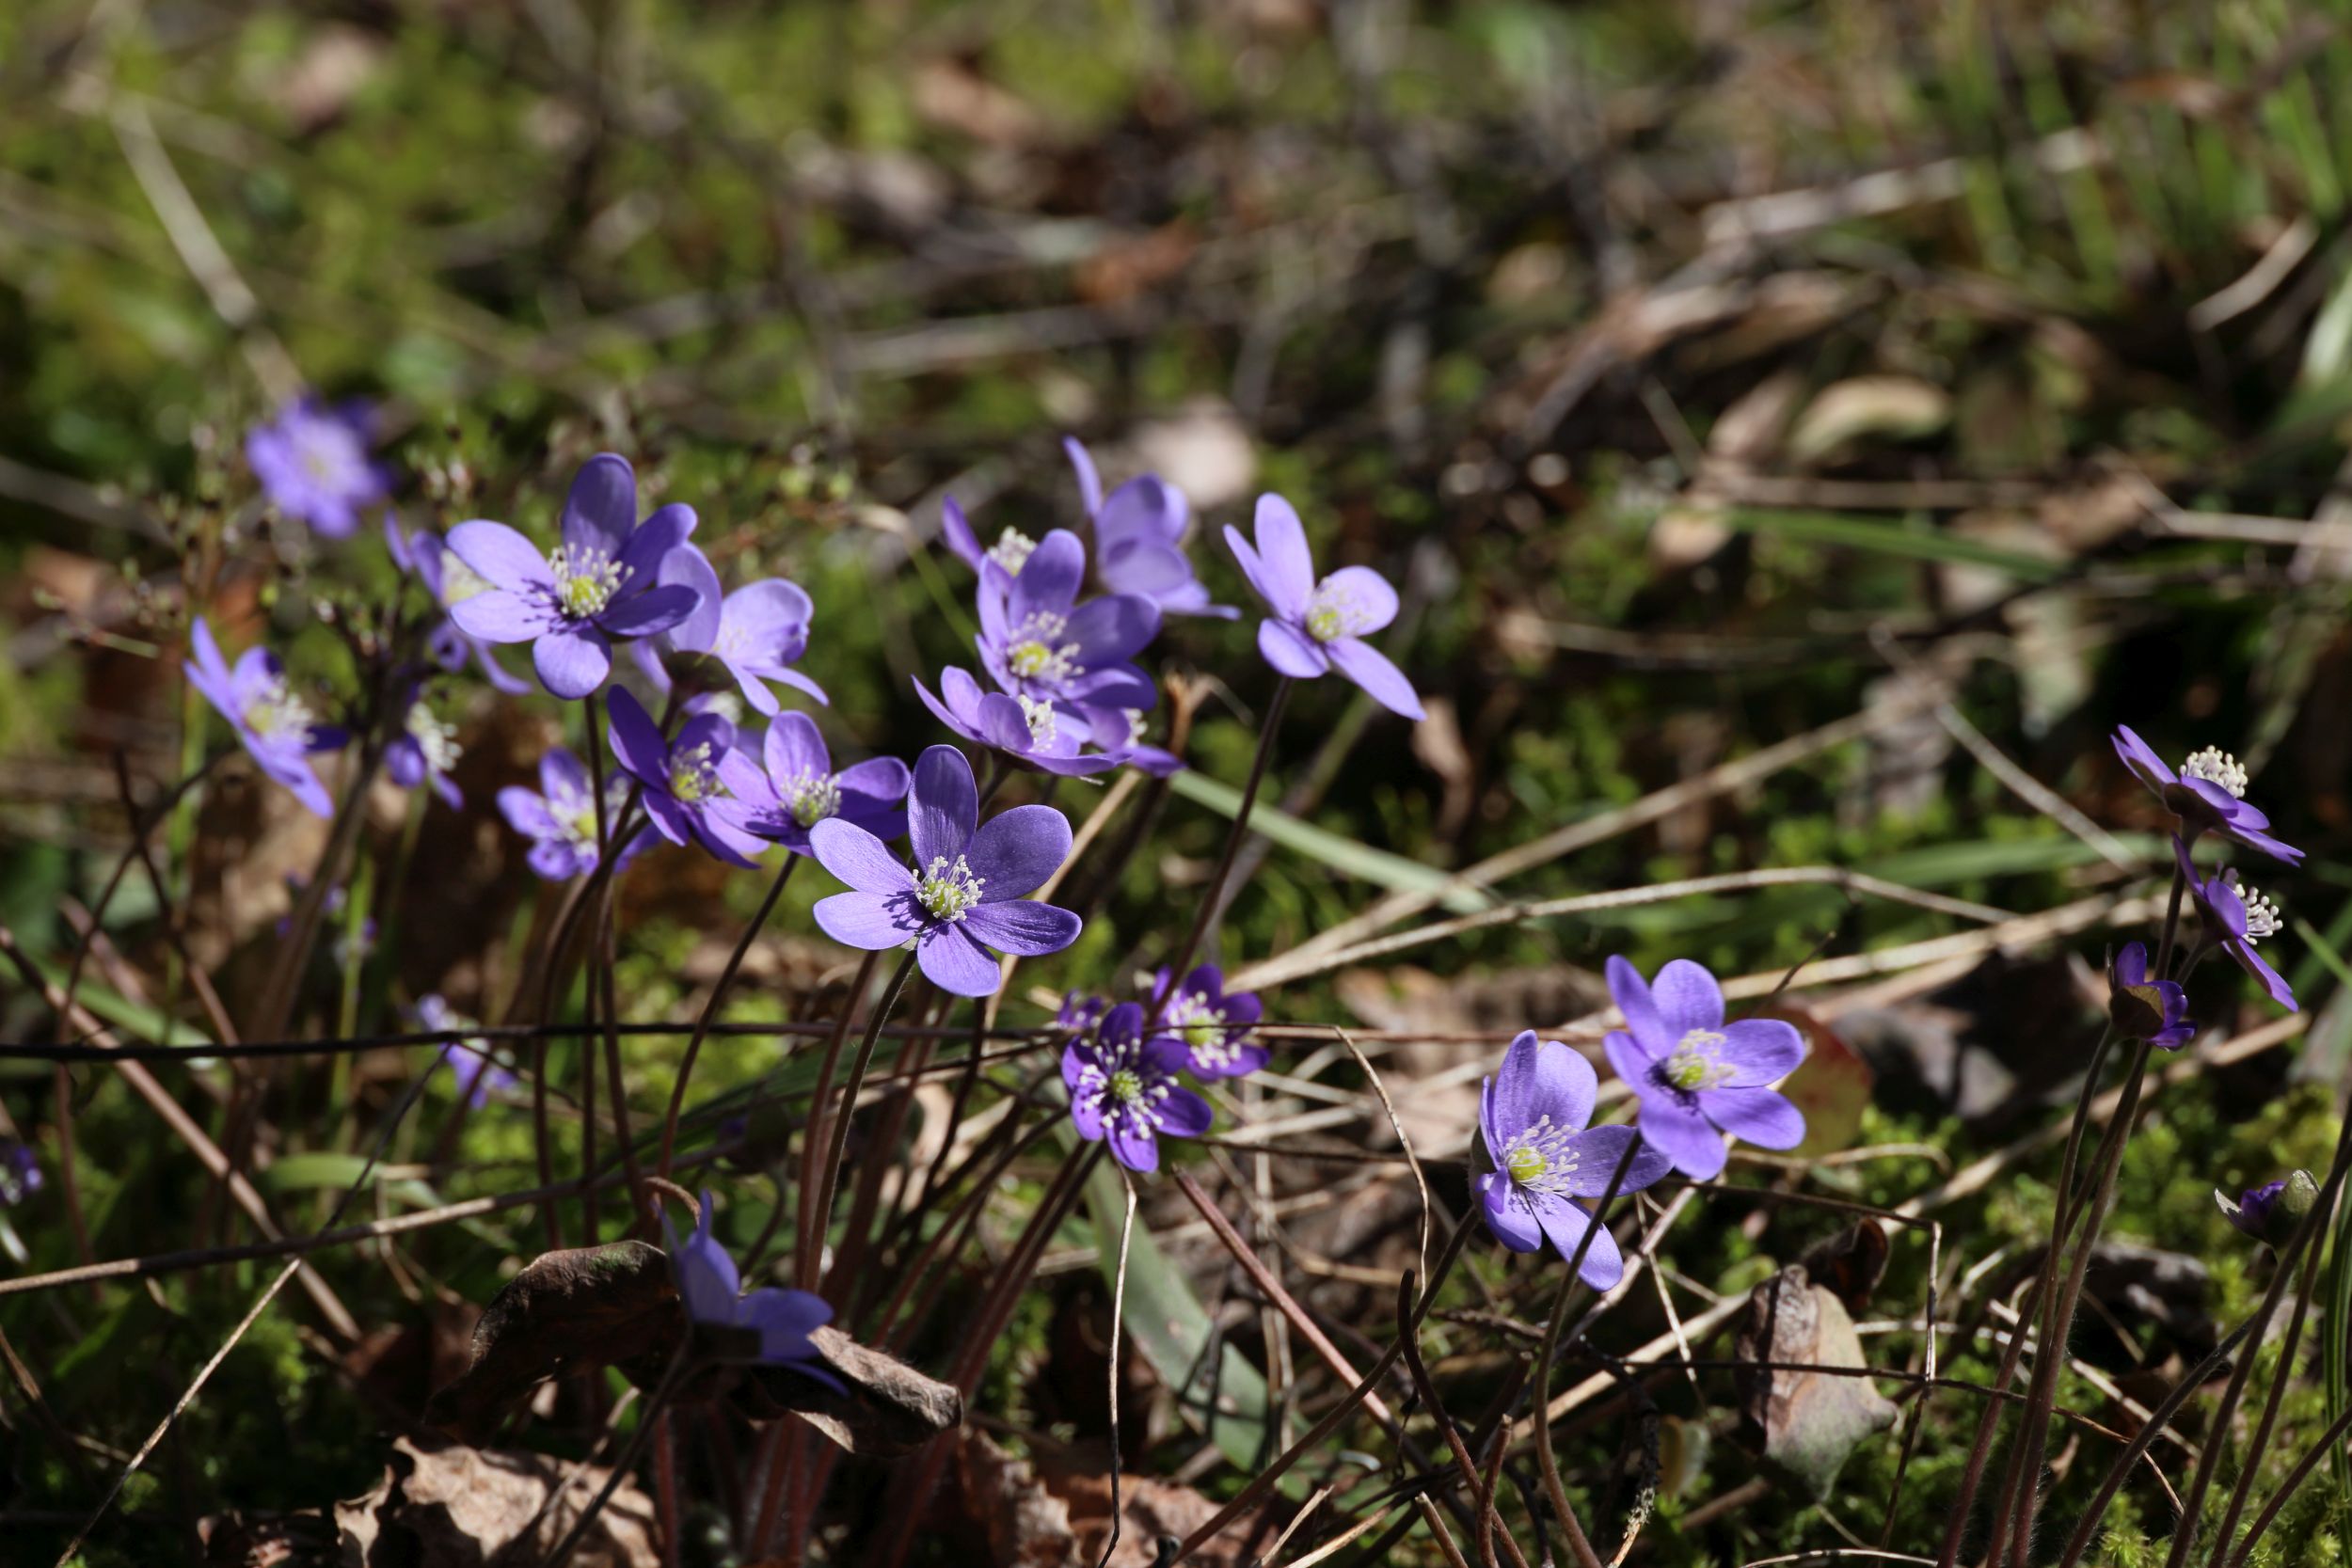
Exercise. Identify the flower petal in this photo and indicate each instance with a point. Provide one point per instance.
(1287, 568)
(868, 920)
(636, 741)
(1049, 580)
(601, 507)
(1370, 598)
(942, 806)
(1292, 652)
(1184, 1114)
(572, 662)
(1762, 1116)
(794, 746)
(1016, 850)
(1022, 928)
(655, 609)
(501, 556)
(1597, 1153)
(1133, 1145)
(1760, 1050)
(2141, 759)
(1566, 1225)
(1682, 1135)
(1113, 626)
(1372, 670)
(954, 962)
(1508, 1214)
(1090, 482)
(1687, 998)
(859, 859)
(500, 615)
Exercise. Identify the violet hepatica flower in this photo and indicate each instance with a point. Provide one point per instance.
(1124, 1088)
(997, 564)
(19, 1172)
(274, 725)
(1533, 1114)
(2208, 794)
(1026, 731)
(425, 555)
(561, 818)
(963, 896)
(800, 789)
(313, 465)
(2144, 1009)
(1319, 626)
(1080, 1014)
(1213, 1028)
(1037, 641)
(423, 752)
(478, 1072)
(687, 789)
(756, 633)
(2236, 918)
(603, 583)
(2270, 1211)
(1139, 538)
(710, 1285)
(1697, 1076)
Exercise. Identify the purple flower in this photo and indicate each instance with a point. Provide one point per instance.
(425, 555)
(1123, 1087)
(1213, 1028)
(800, 789)
(710, 1285)
(274, 725)
(1120, 731)
(1138, 539)
(313, 465)
(425, 751)
(1697, 1076)
(964, 894)
(1080, 1015)
(560, 819)
(758, 632)
(1533, 1114)
(687, 790)
(2207, 795)
(19, 1172)
(2144, 1009)
(603, 581)
(999, 562)
(1026, 731)
(1318, 626)
(1037, 641)
(2236, 918)
(2270, 1211)
(477, 1070)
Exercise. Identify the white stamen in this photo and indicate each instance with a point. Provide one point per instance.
(1044, 728)
(1542, 1157)
(1035, 651)
(2263, 918)
(1698, 1062)
(949, 891)
(1013, 550)
(1334, 613)
(693, 776)
(812, 797)
(585, 579)
(2216, 765)
(277, 711)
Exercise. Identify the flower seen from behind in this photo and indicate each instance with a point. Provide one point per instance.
(1533, 1114)
(1697, 1076)
(275, 725)
(756, 633)
(2144, 1009)
(2208, 795)
(315, 464)
(1124, 1088)
(1319, 626)
(1138, 539)
(601, 585)
(774, 1325)
(2235, 918)
(964, 894)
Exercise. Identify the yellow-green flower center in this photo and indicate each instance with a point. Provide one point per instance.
(1698, 1061)
(813, 797)
(1035, 651)
(585, 579)
(277, 711)
(1124, 1084)
(1525, 1163)
(947, 892)
(1333, 612)
(693, 776)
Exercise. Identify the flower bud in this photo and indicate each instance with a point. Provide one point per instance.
(2270, 1213)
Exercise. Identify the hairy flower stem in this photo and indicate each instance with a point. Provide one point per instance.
(2306, 1234)
(711, 1011)
(1214, 898)
(807, 1248)
(829, 1173)
(2259, 1444)
(2024, 1486)
(1545, 1459)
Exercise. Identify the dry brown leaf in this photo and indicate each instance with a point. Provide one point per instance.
(1810, 1422)
(449, 1506)
(1886, 407)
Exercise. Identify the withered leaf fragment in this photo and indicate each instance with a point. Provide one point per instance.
(1810, 1422)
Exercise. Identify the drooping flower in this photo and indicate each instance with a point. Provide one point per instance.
(1697, 1076)
(1533, 1113)
(19, 1172)
(964, 894)
(1213, 1028)
(2236, 918)
(756, 633)
(2208, 795)
(274, 725)
(561, 818)
(783, 1320)
(1037, 641)
(477, 1070)
(1123, 1087)
(425, 751)
(313, 463)
(601, 584)
(2270, 1211)
(1138, 539)
(800, 789)
(2144, 1009)
(687, 789)
(1026, 731)
(425, 555)
(1319, 626)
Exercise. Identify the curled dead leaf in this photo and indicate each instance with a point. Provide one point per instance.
(1809, 1420)
(443, 1505)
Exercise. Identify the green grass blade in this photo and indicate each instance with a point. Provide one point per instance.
(1889, 536)
(1343, 855)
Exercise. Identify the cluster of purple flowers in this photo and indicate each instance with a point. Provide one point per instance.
(1121, 1064)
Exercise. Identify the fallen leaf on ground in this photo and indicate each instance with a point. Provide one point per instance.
(449, 1506)
(1810, 1421)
